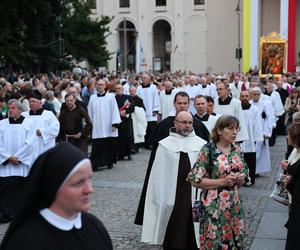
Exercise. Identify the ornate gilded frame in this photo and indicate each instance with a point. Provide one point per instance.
(273, 50)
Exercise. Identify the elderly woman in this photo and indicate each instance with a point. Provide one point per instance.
(53, 211)
(220, 171)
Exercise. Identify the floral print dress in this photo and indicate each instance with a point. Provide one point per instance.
(222, 225)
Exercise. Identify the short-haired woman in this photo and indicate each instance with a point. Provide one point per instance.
(220, 171)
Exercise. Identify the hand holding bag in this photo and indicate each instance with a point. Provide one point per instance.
(280, 193)
(197, 208)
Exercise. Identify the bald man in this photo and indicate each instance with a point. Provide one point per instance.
(168, 203)
(166, 98)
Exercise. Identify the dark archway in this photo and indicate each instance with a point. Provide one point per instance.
(161, 45)
(126, 51)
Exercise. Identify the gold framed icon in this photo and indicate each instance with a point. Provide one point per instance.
(273, 50)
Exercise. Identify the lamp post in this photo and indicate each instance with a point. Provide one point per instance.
(238, 51)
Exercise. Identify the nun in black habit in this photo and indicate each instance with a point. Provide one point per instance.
(53, 211)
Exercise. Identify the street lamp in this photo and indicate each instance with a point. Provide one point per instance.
(238, 52)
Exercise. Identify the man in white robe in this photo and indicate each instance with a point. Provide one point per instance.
(18, 141)
(148, 92)
(46, 123)
(168, 207)
(208, 120)
(104, 113)
(263, 160)
(226, 105)
(278, 108)
(129, 83)
(166, 98)
(206, 89)
(193, 90)
(253, 122)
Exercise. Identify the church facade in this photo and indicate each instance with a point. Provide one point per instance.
(194, 35)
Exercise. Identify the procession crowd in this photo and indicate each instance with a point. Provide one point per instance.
(209, 135)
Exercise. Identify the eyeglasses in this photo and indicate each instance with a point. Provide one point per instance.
(234, 128)
(185, 122)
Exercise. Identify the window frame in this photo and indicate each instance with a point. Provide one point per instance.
(157, 3)
(124, 5)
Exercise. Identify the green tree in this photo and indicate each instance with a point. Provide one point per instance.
(41, 36)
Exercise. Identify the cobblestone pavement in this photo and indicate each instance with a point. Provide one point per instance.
(117, 192)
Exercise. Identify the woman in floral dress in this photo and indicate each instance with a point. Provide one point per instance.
(220, 171)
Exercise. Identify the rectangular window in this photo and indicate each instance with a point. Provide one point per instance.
(94, 4)
(199, 2)
(124, 3)
(161, 2)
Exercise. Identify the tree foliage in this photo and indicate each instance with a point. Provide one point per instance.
(41, 36)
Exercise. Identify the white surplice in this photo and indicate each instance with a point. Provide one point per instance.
(234, 109)
(139, 124)
(253, 123)
(192, 91)
(166, 102)
(18, 140)
(161, 191)
(151, 100)
(277, 104)
(211, 122)
(104, 112)
(48, 124)
(263, 160)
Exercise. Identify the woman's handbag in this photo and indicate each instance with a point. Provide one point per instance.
(280, 193)
(197, 208)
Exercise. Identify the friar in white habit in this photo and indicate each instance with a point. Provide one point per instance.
(18, 141)
(46, 123)
(168, 208)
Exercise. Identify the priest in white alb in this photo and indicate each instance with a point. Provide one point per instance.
(263, 160)
(149, 93)
(255, 133)
(46, 123)
(17, 142)
(104, 113)
(168, 208)
(166, 98)
(193, 90)
(226, 105)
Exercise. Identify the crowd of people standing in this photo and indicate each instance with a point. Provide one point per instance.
(232, 120)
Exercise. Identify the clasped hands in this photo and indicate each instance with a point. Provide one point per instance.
(234, 179)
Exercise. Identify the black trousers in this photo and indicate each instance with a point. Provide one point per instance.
(10, 188)
(250, 159)
(151, 126)
(272, 139)
(104, 152)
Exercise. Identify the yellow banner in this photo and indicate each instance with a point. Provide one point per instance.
(246, 35)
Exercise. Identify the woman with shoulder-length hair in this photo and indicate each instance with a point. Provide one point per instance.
(220, 171)
(53, 211)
